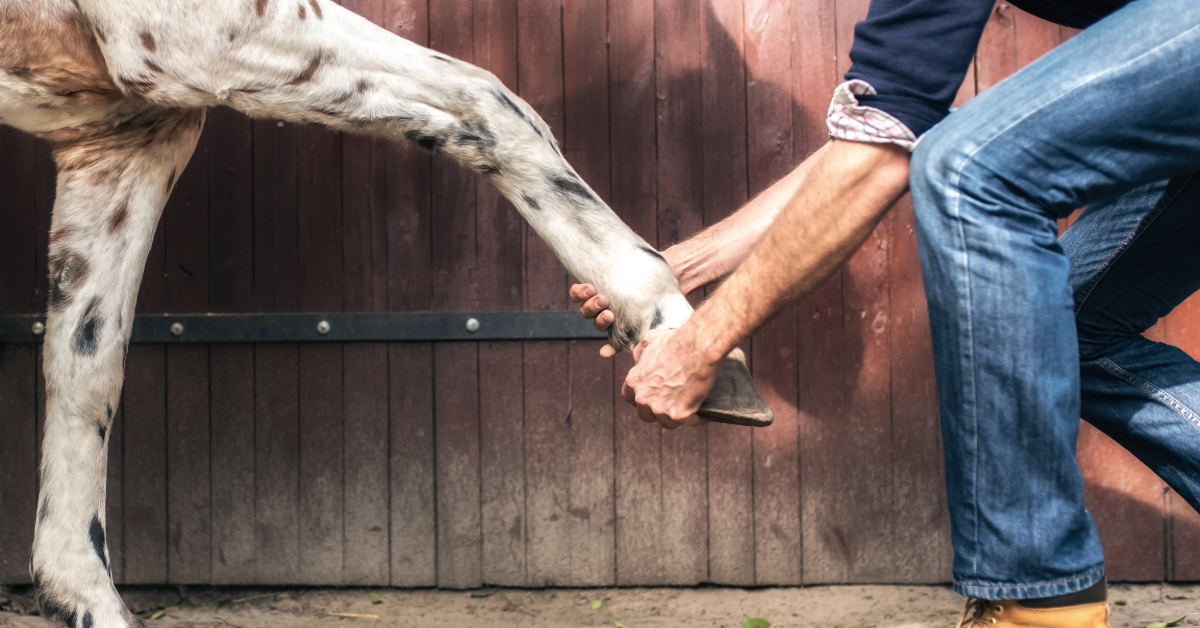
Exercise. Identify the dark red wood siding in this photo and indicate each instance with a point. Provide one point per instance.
(516, 463)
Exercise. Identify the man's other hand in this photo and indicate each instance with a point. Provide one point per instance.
(595, 307)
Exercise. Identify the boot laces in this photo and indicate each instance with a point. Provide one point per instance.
(973, 615)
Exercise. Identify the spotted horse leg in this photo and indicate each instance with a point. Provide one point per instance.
(113, 180)
(314, 61)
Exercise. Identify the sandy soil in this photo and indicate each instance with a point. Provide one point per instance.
(712, 607)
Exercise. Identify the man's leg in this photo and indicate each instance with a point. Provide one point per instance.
(1109, 111)
(1132, 261)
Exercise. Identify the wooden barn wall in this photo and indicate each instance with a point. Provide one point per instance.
(515, 463)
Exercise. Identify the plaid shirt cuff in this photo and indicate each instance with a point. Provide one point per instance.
(847, 120)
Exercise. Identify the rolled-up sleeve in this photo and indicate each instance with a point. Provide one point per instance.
(912, 56)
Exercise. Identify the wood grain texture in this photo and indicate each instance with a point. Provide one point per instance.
(678, 96)
(233, 463)
(145, 481)
(365, 480)
(632, 108)
(591, 509)
(730, 456)
(456, 397)
(548, 460)
(502, 462)
(189, 456)
(413, 510)
(770, 156)
(276, 464)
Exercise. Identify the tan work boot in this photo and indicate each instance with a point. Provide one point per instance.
(1010, 614)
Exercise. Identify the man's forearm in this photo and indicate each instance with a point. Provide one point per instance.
(718, 250)
(834, 209)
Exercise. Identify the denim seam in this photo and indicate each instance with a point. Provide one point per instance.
(1032, 584)
(969, 358)
(1165, 397)
(1163, 203)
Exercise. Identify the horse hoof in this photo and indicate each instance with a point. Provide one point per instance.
(734, 397)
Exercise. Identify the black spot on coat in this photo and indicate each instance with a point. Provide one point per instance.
(658, 318)
(103, 432)
(512, 106)
(87, 620)
(425, 140)
(531, 202)
(96, 536)
(653, 252)
(568, 184)
(86, 340)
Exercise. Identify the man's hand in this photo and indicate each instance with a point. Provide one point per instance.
(670, 380)
(595, 307)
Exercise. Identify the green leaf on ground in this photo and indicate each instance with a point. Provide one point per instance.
(1119, 602)
(374, 598)
(596, 604)
(756, 622)
(1166, 624)
(839, 626)
(483, 593)
(618, 624)
(158, 615)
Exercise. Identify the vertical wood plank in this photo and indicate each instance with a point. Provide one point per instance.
(413, 528)
(18, 461)
(19, 267)
(500, 272)
(635, 178)
(548, 458)
(185, 269)
(730, 457)
(319, 212)
(413, 500)
(679, 105)
(770, 156)
(276, 464)
(502, 462)
(819, 321)
(996, 58)
(189, 554)
(366, 472)
(365, 288)
(590, 513)
(456, 398)
(456, 367)
(145, 503)
(276, 369)
(231, 367)
(233, 474)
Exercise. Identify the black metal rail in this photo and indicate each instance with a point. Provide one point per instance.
(332, 327)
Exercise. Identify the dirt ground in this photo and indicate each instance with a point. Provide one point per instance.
(700, 607)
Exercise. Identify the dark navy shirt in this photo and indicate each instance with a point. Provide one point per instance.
(915, 53)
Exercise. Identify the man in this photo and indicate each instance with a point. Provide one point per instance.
(1029, 332)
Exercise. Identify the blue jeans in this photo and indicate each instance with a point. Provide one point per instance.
(1031, 332)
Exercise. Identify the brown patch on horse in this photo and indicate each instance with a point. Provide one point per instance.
(308, 72)
(303, 13)
(316, 9)
(58, 52)
(148, 42)
(105, 146)
(260, 7)
(117, 220)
